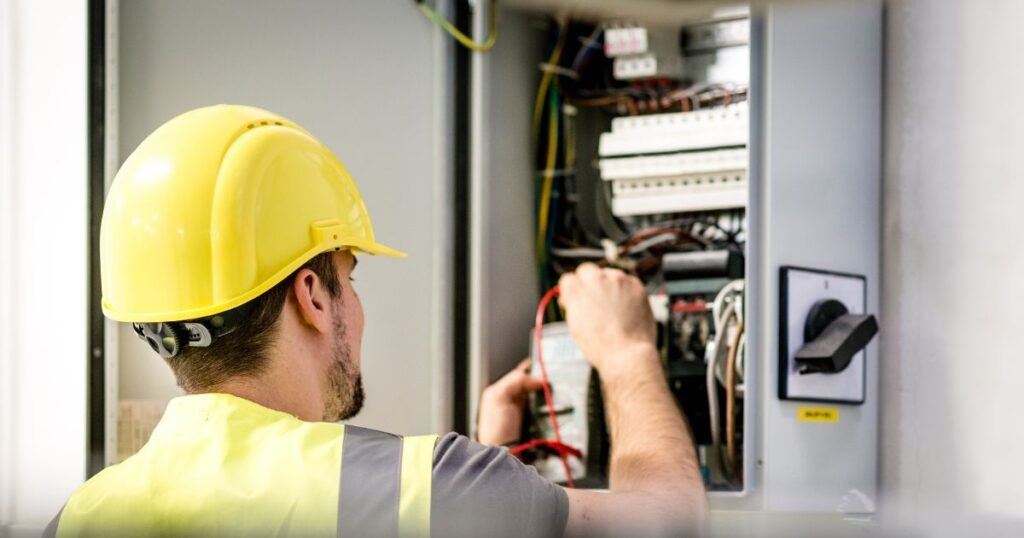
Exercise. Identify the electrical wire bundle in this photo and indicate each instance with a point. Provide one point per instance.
(730, 341)
(641, 252)
(586, 81)
(577, 73)
(547, 114)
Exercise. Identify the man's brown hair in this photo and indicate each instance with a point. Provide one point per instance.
(243, 351)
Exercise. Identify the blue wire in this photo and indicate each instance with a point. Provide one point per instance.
(587, 48)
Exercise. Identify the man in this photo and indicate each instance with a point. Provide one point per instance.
(229, 241)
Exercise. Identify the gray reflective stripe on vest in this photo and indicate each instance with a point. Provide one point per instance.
(371, 465)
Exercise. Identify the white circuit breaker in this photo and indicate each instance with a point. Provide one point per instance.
(680, 161)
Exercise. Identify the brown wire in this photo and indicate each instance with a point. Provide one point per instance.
(683, 235)
(645, 233)
(598, 101)
(686, 100)
(730, 401)
(631, 107)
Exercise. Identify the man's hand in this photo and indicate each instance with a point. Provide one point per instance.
(502, 405)
(608, 314)
(655, 485)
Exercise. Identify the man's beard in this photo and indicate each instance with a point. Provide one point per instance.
(344, 381)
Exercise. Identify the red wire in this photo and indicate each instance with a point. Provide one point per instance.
(697, 306)
(538, 329)
(554, 445)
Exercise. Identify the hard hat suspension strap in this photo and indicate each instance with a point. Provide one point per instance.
(169, 337)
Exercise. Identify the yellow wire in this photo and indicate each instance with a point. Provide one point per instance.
(548, 180)
(545, 80)
(538, 110)
(462, 38)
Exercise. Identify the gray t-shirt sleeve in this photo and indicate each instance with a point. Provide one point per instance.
(483, 491)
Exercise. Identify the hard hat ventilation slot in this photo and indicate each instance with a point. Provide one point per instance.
(264, 123)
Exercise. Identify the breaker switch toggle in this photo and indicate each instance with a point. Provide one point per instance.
(833, 336)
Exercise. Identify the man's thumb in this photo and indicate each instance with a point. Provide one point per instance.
(531, 384)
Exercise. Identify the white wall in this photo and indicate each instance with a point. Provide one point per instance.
(952, 435)
(385, 120)
(43, 263)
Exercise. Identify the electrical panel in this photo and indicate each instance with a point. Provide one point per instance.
(731, 142)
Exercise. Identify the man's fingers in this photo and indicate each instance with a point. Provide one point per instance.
(568, 283)
(532, 384)
(520, 380)
(566, 287)
(588, 270)
(517, 381)
(614, 274)
(529, 382)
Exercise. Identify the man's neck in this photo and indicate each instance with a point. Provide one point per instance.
(291, 381)
(290, 398)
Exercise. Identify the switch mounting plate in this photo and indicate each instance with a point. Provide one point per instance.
(800, 288)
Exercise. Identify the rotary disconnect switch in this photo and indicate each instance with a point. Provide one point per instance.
(832, 337)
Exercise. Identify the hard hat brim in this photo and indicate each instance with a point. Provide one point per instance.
(377, 249)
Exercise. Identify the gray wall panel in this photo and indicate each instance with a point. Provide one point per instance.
(365, 77)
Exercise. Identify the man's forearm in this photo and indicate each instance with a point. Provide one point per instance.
(652, 451)
(656, 487)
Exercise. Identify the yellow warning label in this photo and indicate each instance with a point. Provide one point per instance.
(817, 414)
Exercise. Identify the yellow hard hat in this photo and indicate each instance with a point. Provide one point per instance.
(216, 207)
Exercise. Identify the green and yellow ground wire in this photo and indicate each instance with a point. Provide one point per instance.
(457, 34)
(547, 181)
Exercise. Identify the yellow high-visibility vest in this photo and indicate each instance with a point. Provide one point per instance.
(219, 465)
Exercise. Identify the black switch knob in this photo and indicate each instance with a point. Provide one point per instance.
(832, 336)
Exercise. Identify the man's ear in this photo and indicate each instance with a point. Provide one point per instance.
(312, 300)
